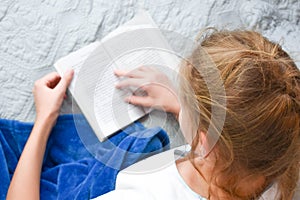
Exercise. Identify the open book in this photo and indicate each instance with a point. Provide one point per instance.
(138, 42)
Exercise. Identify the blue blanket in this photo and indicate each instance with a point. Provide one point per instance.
(73, 169)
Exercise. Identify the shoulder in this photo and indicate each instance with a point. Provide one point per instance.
(153, 178)
(157, 177)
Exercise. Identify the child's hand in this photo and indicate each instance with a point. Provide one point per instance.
(49, 93)
(160, 92)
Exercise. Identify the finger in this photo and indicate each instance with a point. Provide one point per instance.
(144, 68)
(131, 82)
(139, 100)
(52, 84)
(136, 73)
(69, 76)
(119, 72)
(49, 78)
(65, 81)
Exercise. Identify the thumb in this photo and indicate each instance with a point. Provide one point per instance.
(65, 80)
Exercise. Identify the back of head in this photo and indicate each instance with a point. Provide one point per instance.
(260, 135)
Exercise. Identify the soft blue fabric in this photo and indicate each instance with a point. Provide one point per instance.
(70, 171)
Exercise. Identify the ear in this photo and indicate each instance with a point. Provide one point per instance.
(251, 183)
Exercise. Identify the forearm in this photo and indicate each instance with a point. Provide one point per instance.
(25, 183)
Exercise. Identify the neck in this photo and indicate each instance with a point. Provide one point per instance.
(196, 180)
(199, 179)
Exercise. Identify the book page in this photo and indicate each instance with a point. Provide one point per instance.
(138, 43)
(128, 50)
(75, 61)
(115, 113)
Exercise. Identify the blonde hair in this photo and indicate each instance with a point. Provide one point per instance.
(260, 134)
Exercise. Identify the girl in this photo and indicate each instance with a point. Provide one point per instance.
(258, 145)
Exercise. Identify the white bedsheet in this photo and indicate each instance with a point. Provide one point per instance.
(33, 34)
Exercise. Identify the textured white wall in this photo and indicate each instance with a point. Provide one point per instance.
(35, 33)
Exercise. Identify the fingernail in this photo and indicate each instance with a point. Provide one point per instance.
(69, 71)
(127, 99)
(117, 85)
